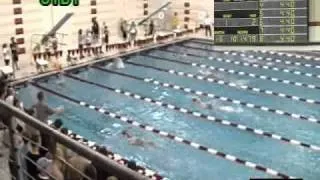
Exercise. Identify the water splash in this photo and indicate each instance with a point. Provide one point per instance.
(231, 109)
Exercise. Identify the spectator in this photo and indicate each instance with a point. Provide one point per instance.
(133, 32)
(88, 39)
(123, 29)
(31, 131)
(10, 95)
(4, 115)
(151, 28)
(21, 156)
(91, 172)
(14, 53)
(81, 42)
(43, 111)
(32, 157)
(105, 35)
(6, 54)
(48, 168)
(207, 25)
(57, 124)
(132, 165)
(175, 21)
(95, 30)
(79, 163)
(54, 42)
(17, 122)
(64, 153)
(43, 165)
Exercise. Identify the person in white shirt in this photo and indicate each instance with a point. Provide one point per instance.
(88, 38)
(6, 54)
(133, 32)
(207, 25)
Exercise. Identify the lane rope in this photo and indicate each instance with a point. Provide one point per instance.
(255, 65)
(286, 62)
(232, 71)
(225, 99)
(113, 156)
(148, 128)
(189, 75)
(309, 58)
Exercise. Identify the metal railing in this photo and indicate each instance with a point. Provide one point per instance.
(102, 161)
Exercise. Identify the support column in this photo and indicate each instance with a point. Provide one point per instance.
(186, 15)
(93, 4)
(314, 21)
(145, 8)
(18, 23)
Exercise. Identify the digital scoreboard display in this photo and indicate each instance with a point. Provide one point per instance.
(261, 21)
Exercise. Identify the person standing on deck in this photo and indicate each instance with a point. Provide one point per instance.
(43, 111)
(133, 33)
(151, 28)
(95, 30)
(105, 38)
(81, 42)
(14, 54)
(6, 54)
(175, 21)
(207, 25)
(124, 29)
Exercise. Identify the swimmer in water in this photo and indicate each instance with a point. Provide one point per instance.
(61, 80)
(117, 64)
(203, 105)
(133, 140)
(208, 74)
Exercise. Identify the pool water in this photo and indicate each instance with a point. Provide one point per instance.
(178, 161)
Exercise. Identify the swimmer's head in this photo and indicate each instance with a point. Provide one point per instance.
(194, 99)
(124, 132)
(132, 165)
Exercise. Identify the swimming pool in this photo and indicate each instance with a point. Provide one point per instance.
(263, 123)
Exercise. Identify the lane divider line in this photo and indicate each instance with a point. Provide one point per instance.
(148, 128)
(276, 60)
(225, 99)
(220, 82)
(309, 58)
(113, 156)
(232, 71)
(255, 65)
(230, 84)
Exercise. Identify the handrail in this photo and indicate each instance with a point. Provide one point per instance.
(154, 13)
(118, 170)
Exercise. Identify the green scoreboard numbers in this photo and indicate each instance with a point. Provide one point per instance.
(261, 21)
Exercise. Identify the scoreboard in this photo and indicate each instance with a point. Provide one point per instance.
(261, 21)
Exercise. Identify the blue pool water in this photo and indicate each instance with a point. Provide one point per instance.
(178, 161)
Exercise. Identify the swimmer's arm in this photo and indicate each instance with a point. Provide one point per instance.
(51, 111)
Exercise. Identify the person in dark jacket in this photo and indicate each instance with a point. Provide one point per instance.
(151, 28)
(95, 30)
(14, 54)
